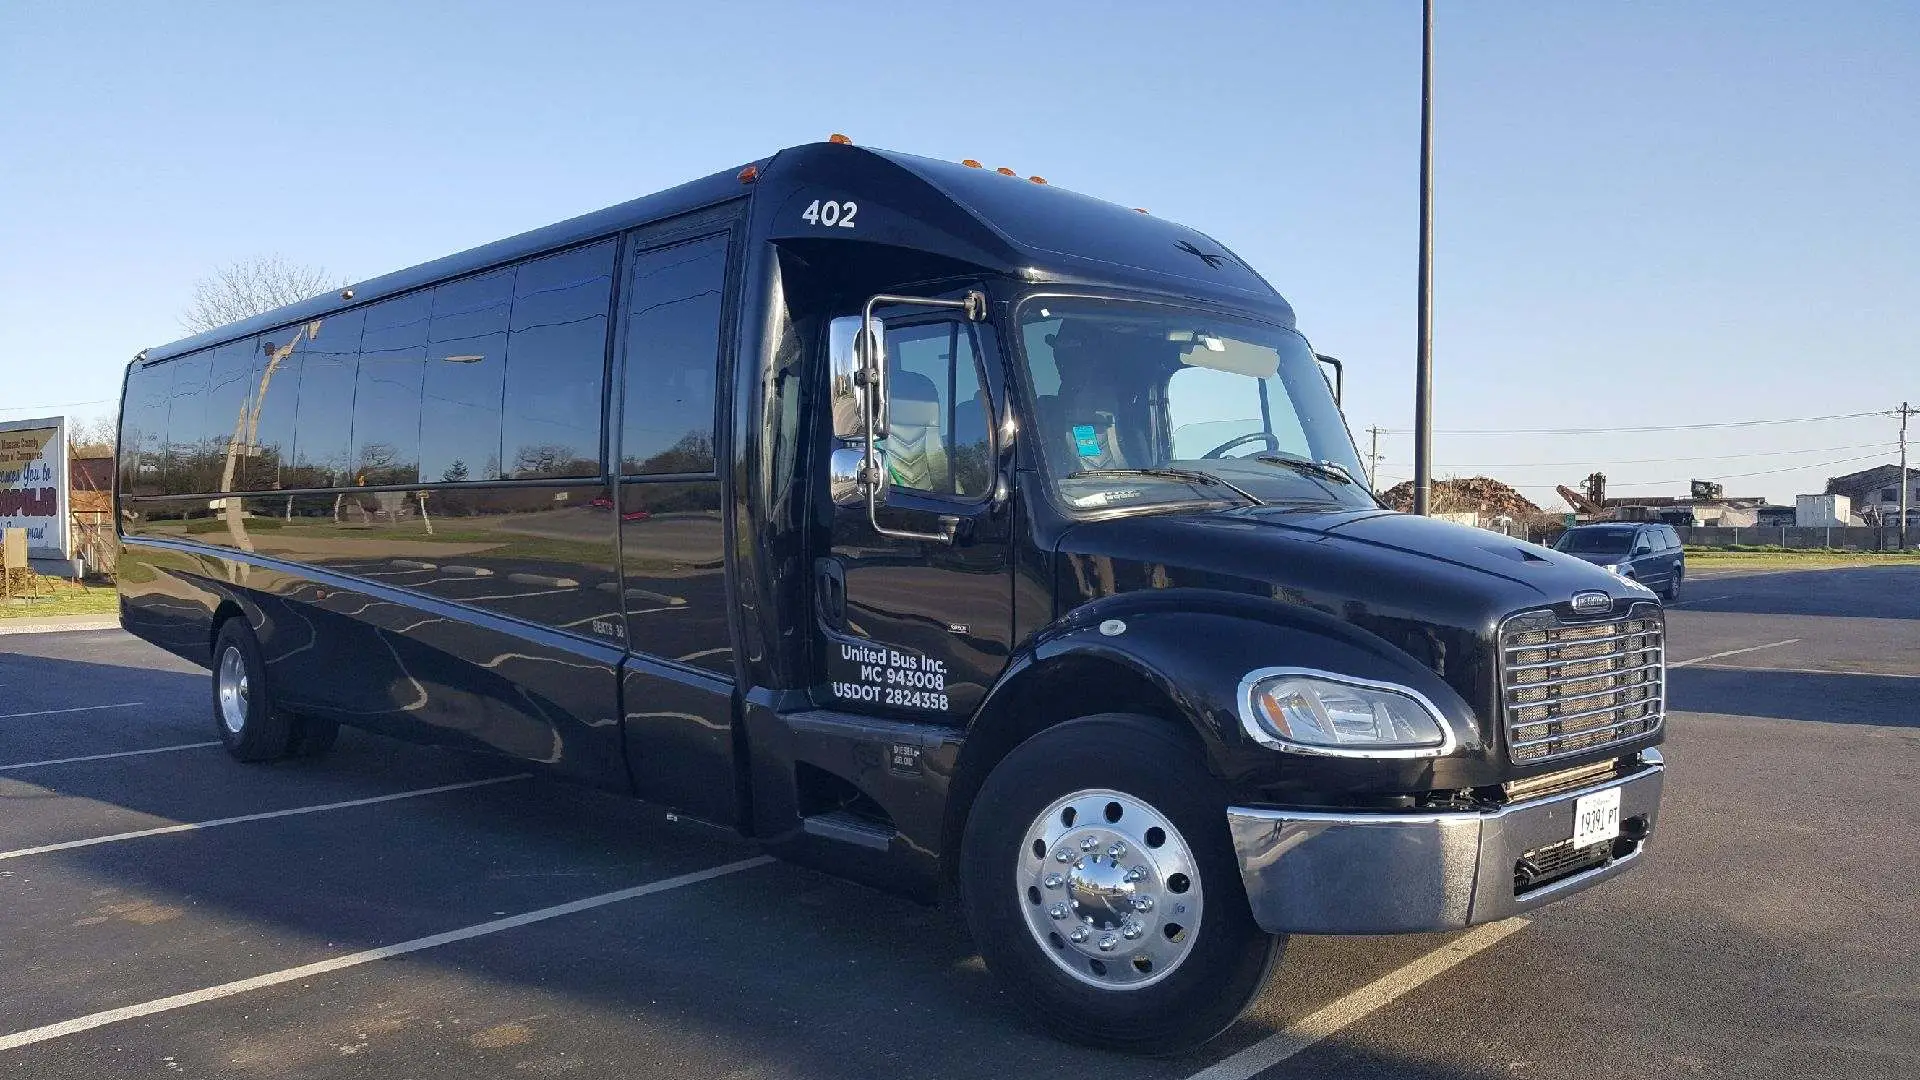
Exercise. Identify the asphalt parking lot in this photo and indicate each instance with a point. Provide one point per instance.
(392, 911)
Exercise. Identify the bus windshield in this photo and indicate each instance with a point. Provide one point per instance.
(1142, 404)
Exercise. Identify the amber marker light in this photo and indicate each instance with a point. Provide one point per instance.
(971, 164)
(842, 140)
(1004, 171)
(1038, 179)
(749, 174)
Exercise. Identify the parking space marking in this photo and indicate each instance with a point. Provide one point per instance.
(1813, 671)
(1733, 652)
(1355, 1007)
(195, 826)
(103, 757)
(1699, 600)
(322, 967)
(82, 708)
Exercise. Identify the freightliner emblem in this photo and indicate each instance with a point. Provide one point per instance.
(1592, 603)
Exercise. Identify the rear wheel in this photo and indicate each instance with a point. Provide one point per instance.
(1672, 592)
(1103, 890)
(244, 716)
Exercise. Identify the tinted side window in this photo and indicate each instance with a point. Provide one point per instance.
(278, 394)
(231, 381)
(143, 430)
(937, 417)
(556, 361)
(386, 398)
(189, 450)
(229, 410)
(672, 357)
(466, 374)
(328, 355)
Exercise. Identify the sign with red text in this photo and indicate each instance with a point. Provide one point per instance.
(33, 483)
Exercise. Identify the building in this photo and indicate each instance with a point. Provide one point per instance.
(1875, 493)
(1735, 513)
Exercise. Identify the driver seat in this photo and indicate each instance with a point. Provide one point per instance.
(915, 456)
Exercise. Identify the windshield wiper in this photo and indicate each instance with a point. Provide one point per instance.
(1332, 470)
(1190, 475)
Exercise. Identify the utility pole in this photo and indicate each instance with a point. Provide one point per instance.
(1423, 364)
(1906, 410)
(1373, 461)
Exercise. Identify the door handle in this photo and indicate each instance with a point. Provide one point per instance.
(830, 592)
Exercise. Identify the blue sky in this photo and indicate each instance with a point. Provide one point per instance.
(1648, 214)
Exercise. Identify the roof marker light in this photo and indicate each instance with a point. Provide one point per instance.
(1139, 209)
(836, 137)
(970, 163)
(1038, 179)
(1004, 171)
(749, 174)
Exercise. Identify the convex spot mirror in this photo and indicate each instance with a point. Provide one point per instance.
(844, 480)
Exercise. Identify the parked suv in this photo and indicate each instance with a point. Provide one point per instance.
(1648, 554)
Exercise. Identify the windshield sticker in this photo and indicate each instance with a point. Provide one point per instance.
(1086, 440)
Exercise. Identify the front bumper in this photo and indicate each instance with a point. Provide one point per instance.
(1309, 872)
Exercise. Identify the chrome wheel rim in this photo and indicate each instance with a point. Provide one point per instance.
(232, 689)
(1109, 889)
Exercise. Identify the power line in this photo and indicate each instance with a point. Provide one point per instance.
(1763, 472)
(1646, 428)
(1654, 460)
(66, 405)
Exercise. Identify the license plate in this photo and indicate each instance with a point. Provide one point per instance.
(1596, 817)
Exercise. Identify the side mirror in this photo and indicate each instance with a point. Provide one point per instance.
(1336, 373)
(856, 370)
(846, 482)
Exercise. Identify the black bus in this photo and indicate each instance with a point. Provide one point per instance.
(936, 526)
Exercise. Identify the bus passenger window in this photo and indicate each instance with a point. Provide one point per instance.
(672, 356)
(556, 355)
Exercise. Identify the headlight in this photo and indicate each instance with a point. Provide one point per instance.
(1317, 713)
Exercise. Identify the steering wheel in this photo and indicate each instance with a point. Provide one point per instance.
(1273, 444)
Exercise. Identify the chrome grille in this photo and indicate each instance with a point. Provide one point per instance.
(1567, 688)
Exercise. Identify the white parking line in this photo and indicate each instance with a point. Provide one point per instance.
(82, 708)
(1356, 1006)
(308, 971)
(195, 826)
(1699, 600)
(1733, 652)
(103, 757)
(1812, 671)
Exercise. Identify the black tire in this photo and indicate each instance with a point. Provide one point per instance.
(1672, 591)
(1228, 961)
(263, 732)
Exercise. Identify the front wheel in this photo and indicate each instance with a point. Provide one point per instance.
(1103, 891)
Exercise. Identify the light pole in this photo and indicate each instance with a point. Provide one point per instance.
(1423, 363)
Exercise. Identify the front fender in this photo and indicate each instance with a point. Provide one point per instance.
(1193, 647)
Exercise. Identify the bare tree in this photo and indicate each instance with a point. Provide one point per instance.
(246, 288)
(93, 437)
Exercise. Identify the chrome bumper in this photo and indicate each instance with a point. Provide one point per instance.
(1308, 872)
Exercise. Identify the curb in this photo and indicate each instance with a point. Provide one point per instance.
(59, 624)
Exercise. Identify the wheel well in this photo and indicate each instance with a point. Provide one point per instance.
(227, 610)
(1042, 696)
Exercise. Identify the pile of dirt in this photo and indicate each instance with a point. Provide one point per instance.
(1479, 493)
